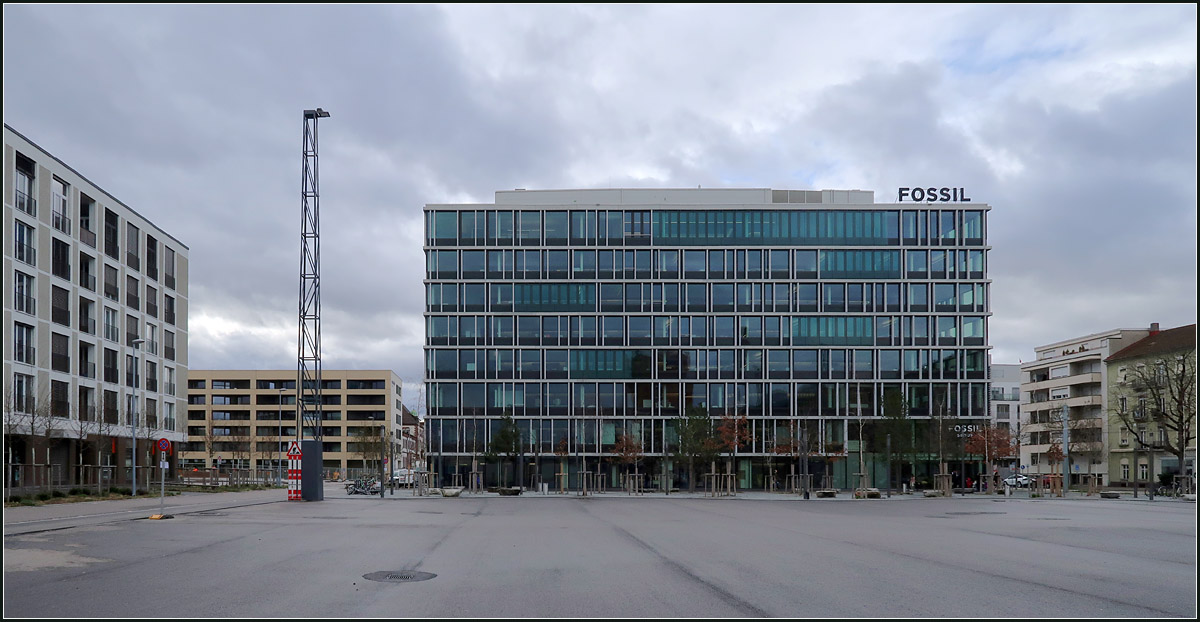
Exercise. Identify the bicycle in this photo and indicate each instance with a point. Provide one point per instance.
(1168, 491)
(363, 486)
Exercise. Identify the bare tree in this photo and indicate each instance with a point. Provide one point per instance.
(211, 438)
(1161, 391)
(697, 441)
(16, 422)
(628, 451)
(42, 426)
(372, 446)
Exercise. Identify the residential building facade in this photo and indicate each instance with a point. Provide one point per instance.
(245, 419)
(95, 338)
(1006, 397)
(1069, 377)
(1152, 407)
(586, 315)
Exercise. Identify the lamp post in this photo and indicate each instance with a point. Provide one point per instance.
(279, 439)
(137, 390)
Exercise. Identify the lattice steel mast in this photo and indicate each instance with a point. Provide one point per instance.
(308, 368)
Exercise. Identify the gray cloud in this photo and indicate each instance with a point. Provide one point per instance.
(1075, 122)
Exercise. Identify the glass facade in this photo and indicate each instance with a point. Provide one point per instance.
(585, 324)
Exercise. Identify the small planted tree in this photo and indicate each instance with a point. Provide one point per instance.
(991, 443)
(505, 444)
(627, 451)
(733, 434)
(697, 443)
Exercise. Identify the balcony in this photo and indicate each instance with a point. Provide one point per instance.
(1063, 381)
(1057, 404)
(25, 203)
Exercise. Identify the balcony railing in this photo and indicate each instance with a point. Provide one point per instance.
(170, 280)
(87, 237)
(25, 303)
(169, 352)
(26, 203)
(169, 317)
(25, 354)
(132, 260)
(111, 291)
(61, 222)
(60, 362)
(87, 370)
(88, 281)
(87, 325)
(25, 252)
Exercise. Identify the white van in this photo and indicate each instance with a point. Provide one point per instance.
(403, 477)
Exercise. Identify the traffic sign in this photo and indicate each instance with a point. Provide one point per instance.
(294, 450)
(164, 444)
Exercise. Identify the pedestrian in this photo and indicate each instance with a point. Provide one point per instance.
(969, 482)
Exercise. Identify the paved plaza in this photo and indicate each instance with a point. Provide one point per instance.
(253, 554)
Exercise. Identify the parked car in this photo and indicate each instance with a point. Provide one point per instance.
(405, 477)
(1017, 480)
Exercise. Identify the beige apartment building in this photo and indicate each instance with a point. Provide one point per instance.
(244, 419)
(1069, 382)
(1152, 408)
(95, 330)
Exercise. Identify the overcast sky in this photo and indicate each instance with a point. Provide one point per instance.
(1076, 123)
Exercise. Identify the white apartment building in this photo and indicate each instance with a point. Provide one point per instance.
(1006, 397)
(95, 325)
(1069, 377)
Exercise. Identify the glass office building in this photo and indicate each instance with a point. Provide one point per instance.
(588, 314)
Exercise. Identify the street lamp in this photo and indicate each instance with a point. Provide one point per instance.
(137, 390)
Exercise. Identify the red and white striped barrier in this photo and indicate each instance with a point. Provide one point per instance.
(294, 472)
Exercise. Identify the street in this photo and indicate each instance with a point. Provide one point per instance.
(611, 555)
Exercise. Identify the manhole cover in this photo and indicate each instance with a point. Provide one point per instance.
(398, 576)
